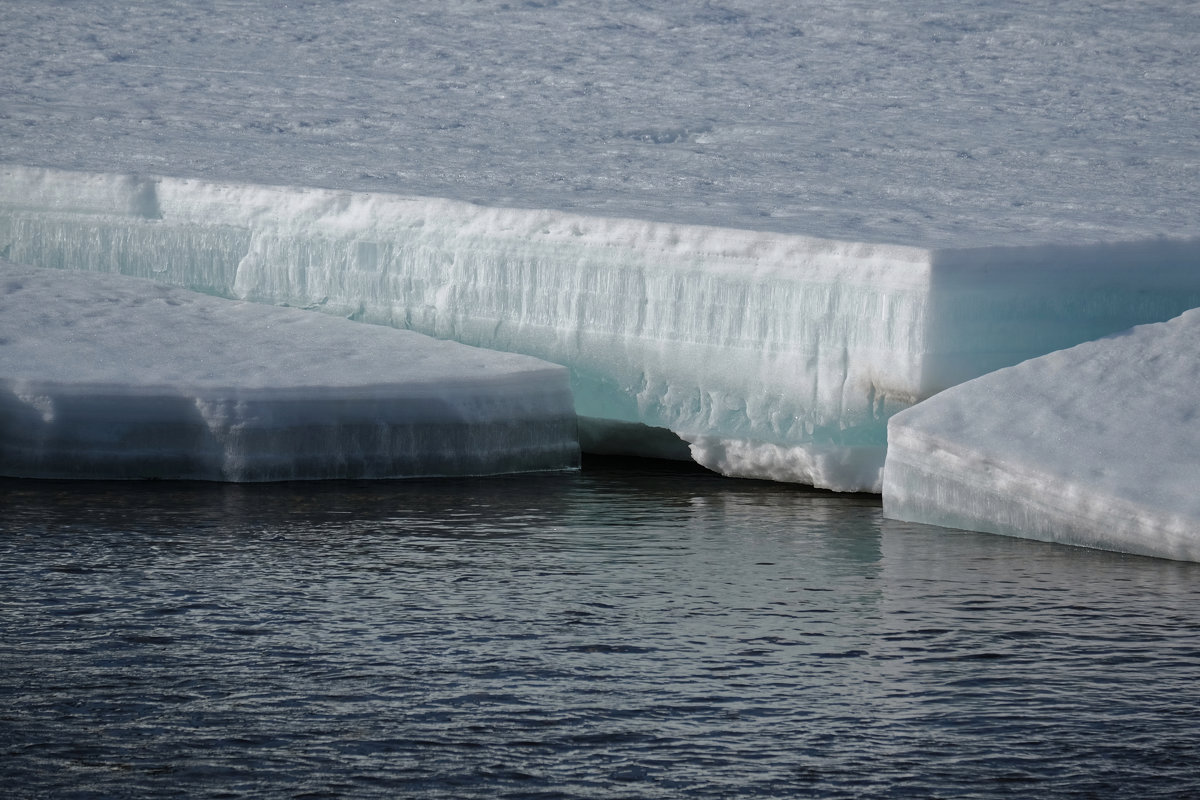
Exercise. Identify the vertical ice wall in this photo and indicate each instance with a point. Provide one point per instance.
(992, 307)
(773, 355)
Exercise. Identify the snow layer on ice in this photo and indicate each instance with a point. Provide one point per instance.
(1095, 446)
(933, 123)
(105, 376)
(773, 355)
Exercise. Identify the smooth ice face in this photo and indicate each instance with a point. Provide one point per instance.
(105, 376)
(1095, 446)
(774, 356)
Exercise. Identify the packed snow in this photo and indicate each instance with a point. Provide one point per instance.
(106, 376)
(1095, 445)
(774, 356)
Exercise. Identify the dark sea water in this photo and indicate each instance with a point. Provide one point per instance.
(617, 633)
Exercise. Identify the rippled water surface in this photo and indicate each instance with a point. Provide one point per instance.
(634, 633)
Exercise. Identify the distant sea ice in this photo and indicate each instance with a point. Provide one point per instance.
(107, 376)
(1097, 445)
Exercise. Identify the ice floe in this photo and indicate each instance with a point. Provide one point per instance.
(107, 376)
(1096, 445)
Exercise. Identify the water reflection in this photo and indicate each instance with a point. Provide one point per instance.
(635, 631)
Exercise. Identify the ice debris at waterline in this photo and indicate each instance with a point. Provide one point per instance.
(1098, 446)
(776, 356)
(106, 376)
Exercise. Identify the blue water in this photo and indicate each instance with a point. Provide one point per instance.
(633, 633)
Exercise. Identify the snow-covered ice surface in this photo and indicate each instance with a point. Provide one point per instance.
(1095, 445)
(775, 225)
(932, 123)
(106, 376)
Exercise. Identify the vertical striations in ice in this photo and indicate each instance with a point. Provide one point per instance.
(773, 355)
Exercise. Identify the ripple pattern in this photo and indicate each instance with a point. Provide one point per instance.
(635, 633)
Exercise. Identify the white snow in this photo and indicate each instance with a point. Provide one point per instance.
(106, 376)
(934, 123)
(1095, 445)
(776, 356)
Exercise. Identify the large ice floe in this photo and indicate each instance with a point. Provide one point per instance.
(776, 223)
(774, 356)
(107, 376)
(1095, 445)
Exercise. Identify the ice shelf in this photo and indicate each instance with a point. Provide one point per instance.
(776, 356)
(1095, 446)
(108, 376)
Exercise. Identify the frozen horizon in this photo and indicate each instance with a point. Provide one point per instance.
(928, 125)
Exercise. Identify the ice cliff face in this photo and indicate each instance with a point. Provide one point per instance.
(774, 356)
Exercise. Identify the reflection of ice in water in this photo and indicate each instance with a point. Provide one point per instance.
(906, 659)
(967, 618)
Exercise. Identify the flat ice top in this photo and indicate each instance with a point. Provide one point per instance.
(1095, 445)
(931, 123)
(89, 329)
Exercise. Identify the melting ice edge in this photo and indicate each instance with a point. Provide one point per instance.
(774, 356)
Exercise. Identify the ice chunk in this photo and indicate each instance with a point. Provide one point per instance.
(1095, 445)
(773, 355)
(106, 376)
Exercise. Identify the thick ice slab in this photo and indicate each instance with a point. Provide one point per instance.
(105, 376)
(774, 356)
(1095, 445)
(910, 137)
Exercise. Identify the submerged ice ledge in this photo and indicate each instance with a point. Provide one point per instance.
(106, 376)
(774, 355)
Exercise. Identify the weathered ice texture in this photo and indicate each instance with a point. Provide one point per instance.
(775, 356)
